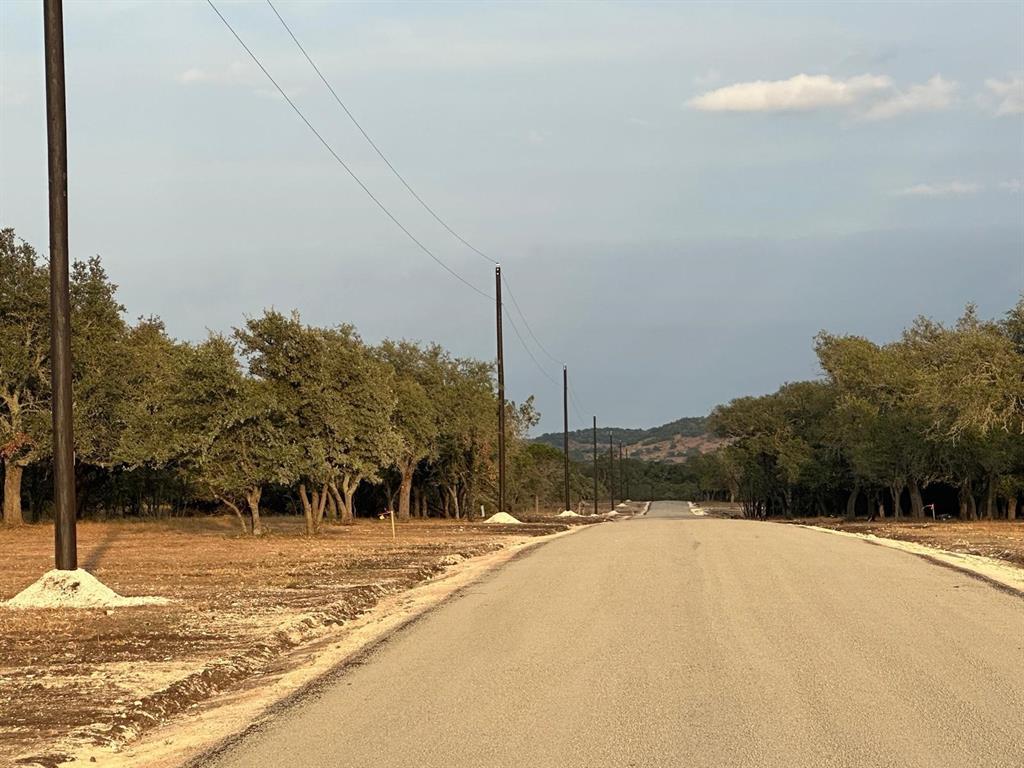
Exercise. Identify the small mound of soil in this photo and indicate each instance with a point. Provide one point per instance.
(502, 518)
(74, 589)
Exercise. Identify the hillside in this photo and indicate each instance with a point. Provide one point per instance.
(672, 442)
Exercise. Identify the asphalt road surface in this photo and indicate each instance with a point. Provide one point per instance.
(672, 640)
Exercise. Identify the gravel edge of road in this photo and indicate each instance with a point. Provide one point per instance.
(997, 573)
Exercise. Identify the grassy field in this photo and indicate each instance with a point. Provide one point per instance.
(238, 605)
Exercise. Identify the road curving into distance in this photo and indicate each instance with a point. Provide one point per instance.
(675, 640)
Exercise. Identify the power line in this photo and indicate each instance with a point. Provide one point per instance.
(419, 199)
(522, 341)
(373, 144)
(341, 162)
(572, 402)
(540, 346)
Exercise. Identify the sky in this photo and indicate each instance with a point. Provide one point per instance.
(681, 195)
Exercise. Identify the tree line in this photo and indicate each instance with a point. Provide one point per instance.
(314, 419)
(937, 415)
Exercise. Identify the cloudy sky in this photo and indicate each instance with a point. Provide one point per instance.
(681, 195)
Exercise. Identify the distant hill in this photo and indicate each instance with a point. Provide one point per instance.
(672, 442)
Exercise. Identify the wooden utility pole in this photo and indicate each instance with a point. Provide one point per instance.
(595, 465)
(65, 541)
(620, 471)
(626, 472)
(501, 395)
(611, 470)
(565, 436)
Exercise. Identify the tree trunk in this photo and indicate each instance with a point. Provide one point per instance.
(238, 513)
(916, 502)
(896, 491)
(406, 469)
(252, 498)
(453, 493)
(851, 503)
(1011, 507)
(968, 509)
(332, 504)
(990, 498)
(346, 497)
(12, 493)
(307, 510)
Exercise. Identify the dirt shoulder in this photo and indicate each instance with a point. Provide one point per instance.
(84, 683)
(992, 550)
(997, 539)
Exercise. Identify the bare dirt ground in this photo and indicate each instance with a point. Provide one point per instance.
(90, 676)
(998, 539)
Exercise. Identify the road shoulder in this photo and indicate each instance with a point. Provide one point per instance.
(999, 573)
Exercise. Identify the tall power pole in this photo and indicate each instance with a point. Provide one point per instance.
(595, 465)
(501, 395)
(65, 540)
(611, 470)
(565, 436)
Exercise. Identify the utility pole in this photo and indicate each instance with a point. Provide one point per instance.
(620, 472)
(626, 469)
(565, 437)
(65, 540)
(611, 470)
(501, 395)
(595, 465)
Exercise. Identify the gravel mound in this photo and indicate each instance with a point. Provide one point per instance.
(74, 589)
(502, 518)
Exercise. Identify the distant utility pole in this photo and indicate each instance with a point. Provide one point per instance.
(595, 465)
(626, 469)
(501, 395)
(565, 438)
(611, 469)
(620, 472)
(65, 540)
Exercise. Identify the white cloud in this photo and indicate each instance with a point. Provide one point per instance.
(1009, 94)
(869, 97)
(1013, 186)
(799, 93)
(941, 189)
(926, 97)
(237, 73)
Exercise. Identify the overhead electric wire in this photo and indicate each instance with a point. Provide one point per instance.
(416, 196)
(526, 322)
(408, 187)
(341, 162)
(573, 402)
(522, 341)
(373, 144)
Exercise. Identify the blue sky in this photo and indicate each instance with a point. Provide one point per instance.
(681, 195)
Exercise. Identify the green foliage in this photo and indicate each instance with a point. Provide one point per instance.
(306, 412)
(940, 405)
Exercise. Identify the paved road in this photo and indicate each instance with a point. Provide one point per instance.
(673, 640)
